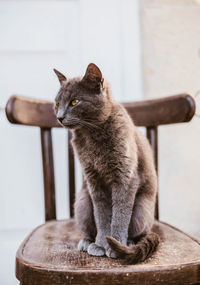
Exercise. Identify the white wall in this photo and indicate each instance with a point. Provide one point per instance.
(171, 65)
(35, 37)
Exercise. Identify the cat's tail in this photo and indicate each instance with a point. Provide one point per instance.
(137, 253)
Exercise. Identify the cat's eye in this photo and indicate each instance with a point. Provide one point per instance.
(57, 104)
(74, 102)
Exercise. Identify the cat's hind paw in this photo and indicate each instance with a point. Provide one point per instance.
(96, 250)
(84, 244)
(130, 243)
(110, 253)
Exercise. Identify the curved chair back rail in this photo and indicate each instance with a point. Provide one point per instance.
(148, 113)
(40, 113)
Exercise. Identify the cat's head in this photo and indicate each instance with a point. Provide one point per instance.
(83, 102)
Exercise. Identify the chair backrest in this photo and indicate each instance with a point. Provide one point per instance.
(40, 113)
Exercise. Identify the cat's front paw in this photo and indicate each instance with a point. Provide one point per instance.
(96, 250)
(84, 244)
(110, 253)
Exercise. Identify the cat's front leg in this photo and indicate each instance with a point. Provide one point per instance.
(122, 207)
(84, 218)
(101, 200)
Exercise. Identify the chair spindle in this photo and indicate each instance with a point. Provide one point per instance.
(71, 167)
(152, 135)
(48, 174)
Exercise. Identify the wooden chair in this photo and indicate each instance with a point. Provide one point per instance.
(49, 254)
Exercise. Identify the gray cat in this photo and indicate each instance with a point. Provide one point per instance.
(115, 207)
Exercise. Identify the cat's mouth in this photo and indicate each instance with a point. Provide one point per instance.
(70, 125)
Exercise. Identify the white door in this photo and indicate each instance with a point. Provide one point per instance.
(35, 37)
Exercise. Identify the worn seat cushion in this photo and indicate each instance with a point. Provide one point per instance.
(50, 252)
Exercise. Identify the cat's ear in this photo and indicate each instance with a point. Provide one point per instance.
(93, 76)
(60, 76)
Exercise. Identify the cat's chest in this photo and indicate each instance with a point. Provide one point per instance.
(94, 152)
(103, 159)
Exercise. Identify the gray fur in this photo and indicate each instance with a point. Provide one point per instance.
(117, 198)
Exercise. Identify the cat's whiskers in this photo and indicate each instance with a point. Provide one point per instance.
(83, 123)
(71, 122)
(87, 124)
(91, 123)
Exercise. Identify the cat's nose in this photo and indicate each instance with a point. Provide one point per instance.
(60, 119)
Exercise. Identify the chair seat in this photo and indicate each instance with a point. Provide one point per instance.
(49, 255)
